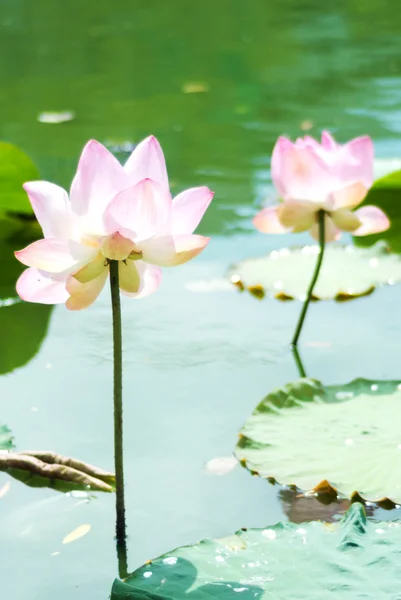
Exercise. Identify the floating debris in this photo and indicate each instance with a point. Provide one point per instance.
(56, 117)
(62, 473)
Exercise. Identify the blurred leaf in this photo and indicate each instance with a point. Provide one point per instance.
(347, 272)
(77, 533)
(64, 474)
(6, 439)
(16, 168)
(23, 328)
(23, 325)
(350, 559)
(328, 439)
(386, 194)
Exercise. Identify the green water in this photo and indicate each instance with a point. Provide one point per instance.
(196, 363)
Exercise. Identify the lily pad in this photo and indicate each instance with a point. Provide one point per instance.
(6, 439)
(344, 438)
(15, 169)
(347, 272)
(61, 473)
(353, 559)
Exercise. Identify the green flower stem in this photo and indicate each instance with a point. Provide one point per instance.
(298, 362)
(320, 219)
(122, 558)
(118, 402)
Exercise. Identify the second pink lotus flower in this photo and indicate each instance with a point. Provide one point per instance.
(311, 177)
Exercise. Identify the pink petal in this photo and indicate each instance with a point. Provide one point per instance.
(170, 251)
(52, 208)
(331, 232)
(355, 162)
(349, 196)
(83, 295)
(297, 215)
(300, 173)
(98, 179)
(44, 288)
(328, 142)
(150, 279)
(188, 209)
(282, 145)
(147, 162)
(128, 276)
(373, 220)
(139, 212)
(267, 221)
(54, 255)
(345, 220)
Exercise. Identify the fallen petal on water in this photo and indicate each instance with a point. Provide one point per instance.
(77, 533)
(221, 465)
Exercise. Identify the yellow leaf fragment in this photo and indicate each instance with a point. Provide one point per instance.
(77, 533)
(195, 87)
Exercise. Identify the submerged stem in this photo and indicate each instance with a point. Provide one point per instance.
(118, 402)
(321, 216)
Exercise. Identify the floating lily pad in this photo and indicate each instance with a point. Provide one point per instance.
(386, 194)
(48, 469)
(15, 169)
(6, 439)
(347, 272)
(353, 559)
(343, 438)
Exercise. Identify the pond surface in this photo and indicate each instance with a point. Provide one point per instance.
(217, 83)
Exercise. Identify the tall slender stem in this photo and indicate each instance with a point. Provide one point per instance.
(122, 558)
(320, 218)
(118, 402)
(298, 362)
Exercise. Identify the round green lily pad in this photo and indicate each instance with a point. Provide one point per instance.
(347, 272)
(312, 436)
(351, 560)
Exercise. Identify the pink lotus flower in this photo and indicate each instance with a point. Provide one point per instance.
(311, 177)
(114, 212)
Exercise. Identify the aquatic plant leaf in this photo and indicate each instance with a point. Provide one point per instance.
(352, 559)
(15, 169)
(6, 439)
(328, 439)
(16, 317)
(386, 194)
(64, 474)
(347, 272)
